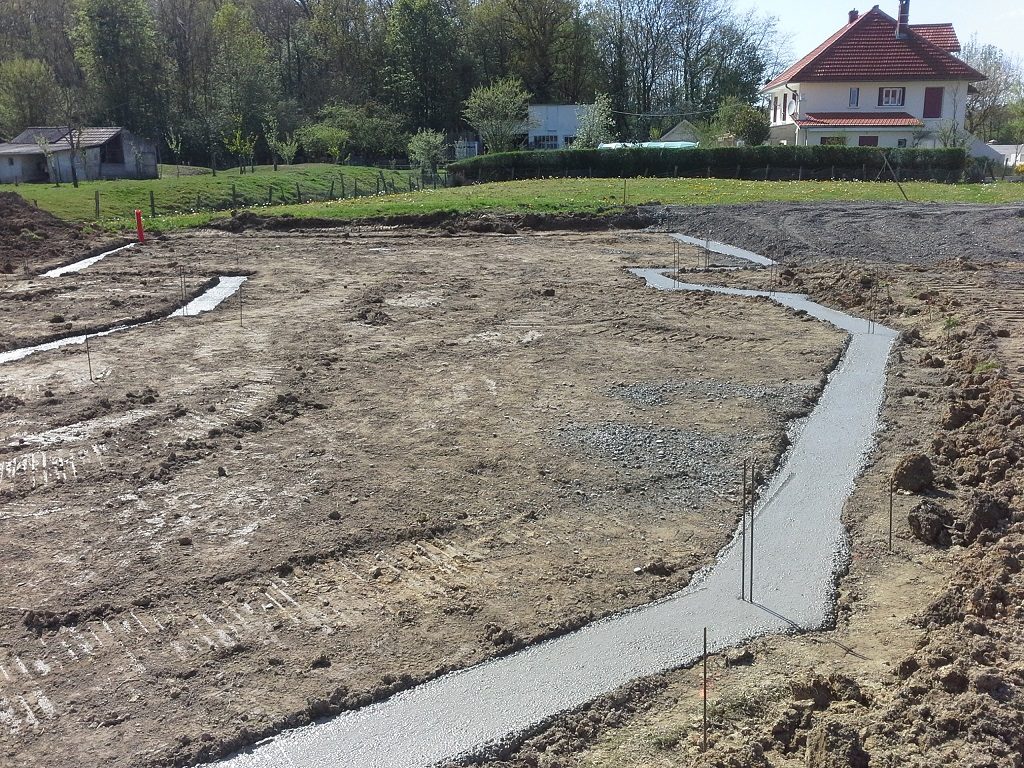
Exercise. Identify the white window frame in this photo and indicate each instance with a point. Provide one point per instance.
(892, 96)
(855, 98)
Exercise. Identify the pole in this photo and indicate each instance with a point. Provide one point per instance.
(750, 591)
(152, 204)
(138, 226)
(239, 305)
(891, 484)
(623, 191)
(705, 742)
(88, 355)
(97, 199)
(743, 540)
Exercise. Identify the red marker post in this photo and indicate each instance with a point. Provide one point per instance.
(138, 226)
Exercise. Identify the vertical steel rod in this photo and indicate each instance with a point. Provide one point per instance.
(705, 749)
(239, 305)
(891, 484)
(88, 355)
(743, 528)
(750, 591)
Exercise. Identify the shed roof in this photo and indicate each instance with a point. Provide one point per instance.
(868, 49)
(58, 137)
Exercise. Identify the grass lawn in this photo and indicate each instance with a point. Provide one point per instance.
(600, 195)
(197, 190)
(176, 198)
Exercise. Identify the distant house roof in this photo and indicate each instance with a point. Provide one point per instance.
(57, 138)
(867, 49)
(859, 119)
(942, 35)
(681, 131)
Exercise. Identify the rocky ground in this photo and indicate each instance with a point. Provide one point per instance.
(925, 665)
(414, 450)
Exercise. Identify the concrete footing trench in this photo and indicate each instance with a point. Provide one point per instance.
(799, 551)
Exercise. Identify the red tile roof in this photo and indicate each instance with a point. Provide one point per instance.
(942, 35)
(868, 49)
(859, 119)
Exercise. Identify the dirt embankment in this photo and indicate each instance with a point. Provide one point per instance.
(32, 240)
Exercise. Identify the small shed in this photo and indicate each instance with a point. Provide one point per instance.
(45, 154)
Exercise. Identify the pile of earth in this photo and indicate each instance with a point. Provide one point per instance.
(31, 239)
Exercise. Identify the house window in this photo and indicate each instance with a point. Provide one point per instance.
(775, 109)
(833, 141)
(10, 161)
(891, 97)
(854, 98)
(545, 142)
(867, 141)
(902, 143)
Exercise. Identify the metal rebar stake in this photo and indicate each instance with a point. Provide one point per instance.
(743, 539)
(88, 356)
(705, 743)
(750, 591)
(891, 489)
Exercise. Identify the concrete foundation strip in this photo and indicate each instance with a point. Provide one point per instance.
(802, 547)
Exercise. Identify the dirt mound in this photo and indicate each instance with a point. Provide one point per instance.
(448, 220)
(31, 238)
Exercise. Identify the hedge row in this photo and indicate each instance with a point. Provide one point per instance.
(728, 162)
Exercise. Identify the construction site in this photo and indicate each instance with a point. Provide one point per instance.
(472, 490)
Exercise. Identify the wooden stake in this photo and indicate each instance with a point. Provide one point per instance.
(891, 489)
(239, 305)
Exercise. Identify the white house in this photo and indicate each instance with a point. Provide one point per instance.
(553, 126)
(877, 82)
(103, 153)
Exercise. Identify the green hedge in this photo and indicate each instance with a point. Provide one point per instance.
(722, 162)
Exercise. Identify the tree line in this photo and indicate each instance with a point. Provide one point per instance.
(209, 79)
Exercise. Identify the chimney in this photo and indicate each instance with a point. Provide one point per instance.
(904, 20)
(854, 15)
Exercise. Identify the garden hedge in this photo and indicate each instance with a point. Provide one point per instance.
(769, 162)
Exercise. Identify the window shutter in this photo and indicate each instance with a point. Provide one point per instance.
(880, 92)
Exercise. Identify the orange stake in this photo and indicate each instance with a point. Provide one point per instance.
(138, 226)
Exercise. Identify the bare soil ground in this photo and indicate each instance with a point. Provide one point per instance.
(415, 450)
(925, 666)
(32, 240)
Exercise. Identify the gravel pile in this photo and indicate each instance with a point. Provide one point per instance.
(787, 400)
(687, 458)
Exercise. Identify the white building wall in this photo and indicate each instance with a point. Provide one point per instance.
(553, 126)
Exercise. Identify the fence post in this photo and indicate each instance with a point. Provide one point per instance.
(332, 189)
(97, 199)
(270, 195)
(355, 188)
(343, 186)
(152, 204)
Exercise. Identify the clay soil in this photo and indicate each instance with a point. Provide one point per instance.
(924, 666)
(32, 240)
(403, 452)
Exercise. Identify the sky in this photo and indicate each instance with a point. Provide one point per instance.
(809, 22)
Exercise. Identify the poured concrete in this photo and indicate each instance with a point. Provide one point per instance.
(725, 249)
(209, 300)
(78, 266)
(798, 550)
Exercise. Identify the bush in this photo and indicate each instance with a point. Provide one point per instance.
(721, 162)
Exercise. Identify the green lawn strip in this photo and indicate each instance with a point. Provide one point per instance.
(201, 192)
(601, 195)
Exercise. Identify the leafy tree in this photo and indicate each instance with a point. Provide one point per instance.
(499, 113)
(428, 148)
(374, 131)
(747, 123)
(282, 146)
(596, 123)
(324, 140)
(118, 49)
(420, 76)
(28, 94)
(244, 87)
(241, 145)
(988, 101)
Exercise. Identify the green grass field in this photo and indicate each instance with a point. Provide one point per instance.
(197, 190)
(601, 195)
(176, 197)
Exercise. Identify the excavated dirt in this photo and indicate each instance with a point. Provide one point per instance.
(32, 240)
(925, 665)
(411, 452)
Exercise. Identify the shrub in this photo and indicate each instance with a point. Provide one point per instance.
(721, 162)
